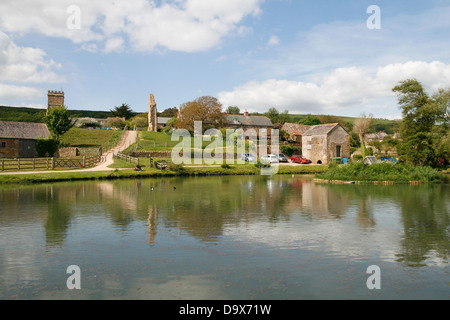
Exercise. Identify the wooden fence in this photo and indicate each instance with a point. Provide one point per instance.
(126, 158)
(47, 163)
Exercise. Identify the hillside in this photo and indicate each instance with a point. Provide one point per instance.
(36, 115)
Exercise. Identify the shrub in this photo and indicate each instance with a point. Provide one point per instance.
(46, 146)
(289, 150)
(383, 171)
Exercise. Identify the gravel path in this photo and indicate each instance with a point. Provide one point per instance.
(128, 139)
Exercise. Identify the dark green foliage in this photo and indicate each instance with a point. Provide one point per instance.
(310, 120)
(124, 111)
(58, 121)
(46, 147)
(233, 110)
(289, 150)
(383, 171)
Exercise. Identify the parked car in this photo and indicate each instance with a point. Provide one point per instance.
(248, 157)
(281, 157)
(269, 158)
(300, 159)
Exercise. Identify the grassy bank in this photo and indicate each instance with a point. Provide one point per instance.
(380, 172)
(150, 173)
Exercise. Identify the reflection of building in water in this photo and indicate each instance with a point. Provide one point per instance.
(152, 225)
(322, 202)
(365, 218)
(125, 197)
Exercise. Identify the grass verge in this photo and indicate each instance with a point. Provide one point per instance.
(150, 173)
(380, 172)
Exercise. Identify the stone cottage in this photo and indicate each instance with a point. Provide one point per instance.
(322, 143)
(261, 125)
(295, 131)
(18, 139)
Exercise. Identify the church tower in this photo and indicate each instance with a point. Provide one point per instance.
(152, 115)
(55, 99)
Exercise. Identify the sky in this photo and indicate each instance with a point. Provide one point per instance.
(308, 57)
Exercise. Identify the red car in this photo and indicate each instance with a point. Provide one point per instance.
(300, 159)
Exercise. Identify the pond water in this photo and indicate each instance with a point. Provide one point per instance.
(210, 238)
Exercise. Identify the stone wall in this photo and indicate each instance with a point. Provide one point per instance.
(67, 152)
(11, 150)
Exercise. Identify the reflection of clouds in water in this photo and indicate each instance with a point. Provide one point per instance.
(113, 288)
(17, 258)
(342, 237)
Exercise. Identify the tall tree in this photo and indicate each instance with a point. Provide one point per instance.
(310, 120)
(169, 113)
(206, 109)
(361, 127)
(124, 111)
(233, 110)
(424, 123)
(58, 121)
(273, 114)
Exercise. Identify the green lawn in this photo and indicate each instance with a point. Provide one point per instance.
(90, 138)
(158, 141)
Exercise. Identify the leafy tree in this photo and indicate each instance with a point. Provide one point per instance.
(233, 110)
(124, 111)
(58, 121)
(310, 120)
(169, 113)
(418, 150)
(284, 117)
(139, 122)
(46, 147)
(425, 123)
(361, 127)
(273, 115)
(115, 122)
(276, 117)
(206, 109)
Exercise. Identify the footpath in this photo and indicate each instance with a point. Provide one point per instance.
(127, 140)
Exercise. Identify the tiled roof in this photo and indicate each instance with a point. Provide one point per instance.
(320, 129)
(257, 121)
(23, 130)
(295, 128)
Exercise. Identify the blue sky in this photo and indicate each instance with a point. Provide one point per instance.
(315, 57)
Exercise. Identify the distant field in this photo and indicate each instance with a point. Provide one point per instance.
(36, 115)
(89, 138)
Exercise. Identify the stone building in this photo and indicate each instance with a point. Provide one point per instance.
(55, 99)
(322, 143)
(260, 125)
(295, 131)
(18, 139)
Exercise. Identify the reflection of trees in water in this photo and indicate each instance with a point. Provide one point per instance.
(425, 215)
(425, 212)
(205, 206)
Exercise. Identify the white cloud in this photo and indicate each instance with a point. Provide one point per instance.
(180, 25)
(344, 91)
(25, 64)
(19, 92)
(273, 41)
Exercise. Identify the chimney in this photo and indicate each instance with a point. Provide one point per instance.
(246, 113)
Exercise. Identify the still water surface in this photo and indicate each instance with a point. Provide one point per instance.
(281, 237)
